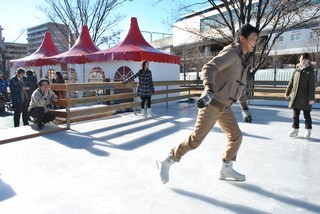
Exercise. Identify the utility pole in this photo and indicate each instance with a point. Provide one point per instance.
(2, 53)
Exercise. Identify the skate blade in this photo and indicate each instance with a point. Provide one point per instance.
(158, 164)
(225, 178)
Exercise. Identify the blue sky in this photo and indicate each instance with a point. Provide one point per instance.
(20, 15)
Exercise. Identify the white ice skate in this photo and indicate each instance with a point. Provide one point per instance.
(307, 133)
(164, 167)
(143, 113)
(228, 173)
(294, 133)
(150, 113)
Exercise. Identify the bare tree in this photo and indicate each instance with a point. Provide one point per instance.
(271, 17)
(96, 14)
(193, 57)
(313, 47)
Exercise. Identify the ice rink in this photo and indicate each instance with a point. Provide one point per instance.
(108, 166)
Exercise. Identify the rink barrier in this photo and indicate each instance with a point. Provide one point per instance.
(93, 104)
(101, 101)
(270, 90)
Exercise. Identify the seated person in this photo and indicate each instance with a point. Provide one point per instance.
(41, 99)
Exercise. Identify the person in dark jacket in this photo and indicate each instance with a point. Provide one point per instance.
(4, 86)
(61, 94)
(58, 78)
(301, 92)
(33, 82)
(145, 87)
(19, 87)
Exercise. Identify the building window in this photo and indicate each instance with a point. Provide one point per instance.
(280, 39)
(296, 35)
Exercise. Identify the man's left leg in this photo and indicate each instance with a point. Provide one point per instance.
(48, 117)
(230, 127)
(25, 115)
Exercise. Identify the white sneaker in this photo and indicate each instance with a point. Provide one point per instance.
(294, 133)
(149, 112)
(307, 133)
(143, 113)
(228, 173)
(164, 167)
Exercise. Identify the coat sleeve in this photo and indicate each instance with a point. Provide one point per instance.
(133, 76)
(14, 86)
(290, 85)
(151, 81)
(209, 71)
(312, 85)
(52, 96)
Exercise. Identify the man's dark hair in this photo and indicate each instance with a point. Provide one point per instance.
(21, 70)
(43, 80)
(306, 56)
(245, 30)
(29, 73)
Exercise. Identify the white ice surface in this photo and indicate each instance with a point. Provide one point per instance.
(109, 166)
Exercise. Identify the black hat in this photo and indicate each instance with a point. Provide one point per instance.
(43, 80)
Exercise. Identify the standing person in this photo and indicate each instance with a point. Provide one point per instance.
(4, 86)
(301, 92)
(41, 99)
(145, 87)
(19, 87)
(33, 82)
(59, 79)
(224, 78)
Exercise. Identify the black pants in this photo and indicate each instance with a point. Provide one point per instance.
(41, 116)
(307, 119)
(143, 101)
(18, 109)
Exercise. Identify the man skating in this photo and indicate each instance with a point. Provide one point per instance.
(224, 78)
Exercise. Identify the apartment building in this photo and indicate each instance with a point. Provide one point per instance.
(8, 51)
(36, 34)
(194, 31)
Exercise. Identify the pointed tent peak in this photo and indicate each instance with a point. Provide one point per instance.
(134, 36)
(84, 42)
(47, 47)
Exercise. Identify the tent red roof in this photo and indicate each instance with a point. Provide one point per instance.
(135, 48)
(75, 55)
(46, 49)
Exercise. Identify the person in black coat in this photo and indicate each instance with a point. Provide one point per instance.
(19, 87)
(33, 82)
(301, 93)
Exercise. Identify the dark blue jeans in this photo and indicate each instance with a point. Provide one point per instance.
(41, 116)
(307, 119)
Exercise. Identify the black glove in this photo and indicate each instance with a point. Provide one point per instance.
(205, 100)
(246, 115)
